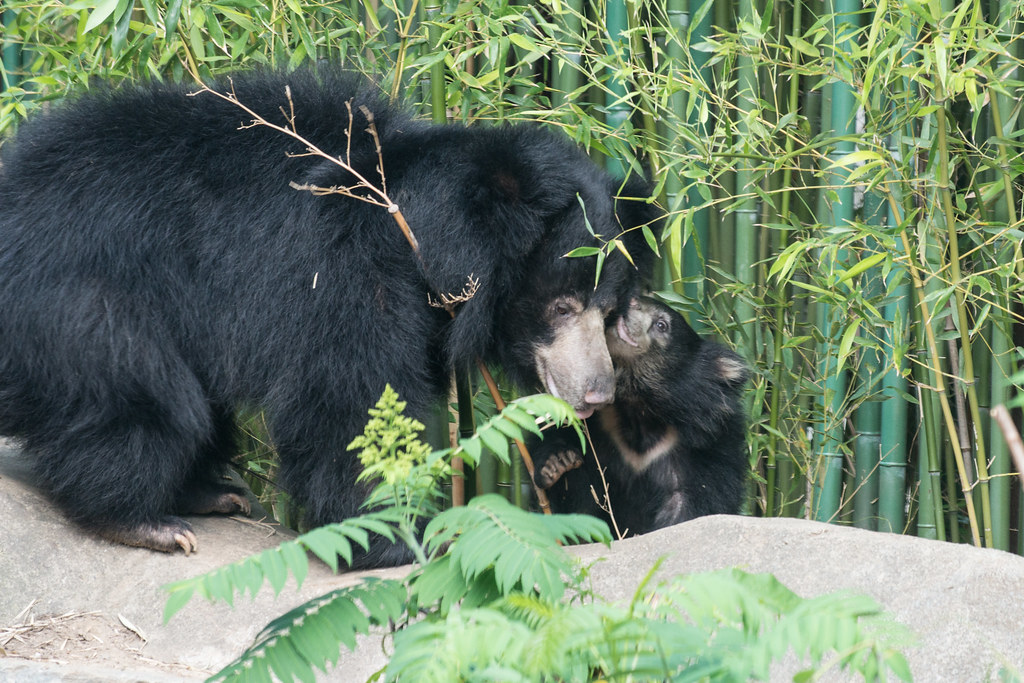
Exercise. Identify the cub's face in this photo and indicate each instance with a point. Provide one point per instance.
(646, 326)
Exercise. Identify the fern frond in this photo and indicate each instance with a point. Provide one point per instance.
(520, 547)
(469, 645)
(274, 565)
(524, 413)
(306, 639)
(754, 620)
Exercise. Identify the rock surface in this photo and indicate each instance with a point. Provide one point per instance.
(74, 608)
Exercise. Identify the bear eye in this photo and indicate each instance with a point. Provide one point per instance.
(661, 325)
(562, 309)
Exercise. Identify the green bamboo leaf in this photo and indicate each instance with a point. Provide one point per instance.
(509, 428)
(214, 27)
(856, 157)
(846, 343)
(812, 288)
(583, 251)
(173, 15)
(652, 241)
(803, 47)
(598, 266)
(524, 419)
(149, 7)
(525, 43)
(863, 265)
(938, 45)
(784, 264)
(123, 18)
(370, 12)
(196, 42)
(104, 8)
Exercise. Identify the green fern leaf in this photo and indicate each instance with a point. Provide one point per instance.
(520, 547)
(494, 440)
(306, 639)
(274, 565)
(522, 413)
(525, 419)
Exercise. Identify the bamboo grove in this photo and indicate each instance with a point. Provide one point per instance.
(841, 180)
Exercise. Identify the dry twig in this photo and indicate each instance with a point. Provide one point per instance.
(365, 191)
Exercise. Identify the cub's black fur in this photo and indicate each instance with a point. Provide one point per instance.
(157, 271)
(672, 445)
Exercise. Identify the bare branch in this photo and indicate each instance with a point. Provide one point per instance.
(311, 149)
(447, 301)
(377, 196)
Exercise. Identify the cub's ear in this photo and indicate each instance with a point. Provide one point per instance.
(732, 370)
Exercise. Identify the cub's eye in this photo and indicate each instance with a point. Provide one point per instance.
(661, 326)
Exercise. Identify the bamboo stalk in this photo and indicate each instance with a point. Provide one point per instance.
(1000, 327)
(832, 402)
(438, 100)
(867, 419)
(938, 377)
(11, 54)
(746, 210)
(892, 474)
(695, 250)
(616, 109)
(945, 183)
(566, 70)
(782, 300)
(929, 474)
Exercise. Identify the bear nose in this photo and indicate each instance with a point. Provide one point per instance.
(601, 395)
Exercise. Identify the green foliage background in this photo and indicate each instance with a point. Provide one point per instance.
(842, 181)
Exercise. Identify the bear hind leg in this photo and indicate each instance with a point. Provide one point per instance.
(120, 483)
(206, 490)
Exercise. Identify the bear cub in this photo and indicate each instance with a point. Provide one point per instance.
(672, 445)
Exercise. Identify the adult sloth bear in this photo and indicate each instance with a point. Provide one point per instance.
(157, 271)
(672, 446)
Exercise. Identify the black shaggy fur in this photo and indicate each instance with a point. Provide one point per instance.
(157, 272)
(672, 446)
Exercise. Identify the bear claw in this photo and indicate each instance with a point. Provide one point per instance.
(167, 535)
(557, 465)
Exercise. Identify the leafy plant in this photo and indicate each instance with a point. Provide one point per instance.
(495, 596)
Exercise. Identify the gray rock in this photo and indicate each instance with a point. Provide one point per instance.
(75, 608)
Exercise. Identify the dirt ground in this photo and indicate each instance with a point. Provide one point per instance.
(82, 637)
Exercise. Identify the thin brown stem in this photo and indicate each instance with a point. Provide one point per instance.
(383, 200)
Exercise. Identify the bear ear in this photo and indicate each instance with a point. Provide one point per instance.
(507, 185)
(523, 167)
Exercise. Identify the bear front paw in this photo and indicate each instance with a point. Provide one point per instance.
(555, 466)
